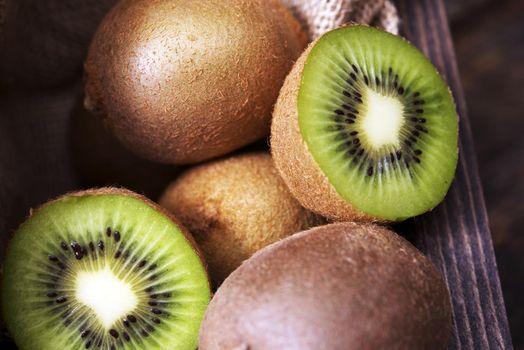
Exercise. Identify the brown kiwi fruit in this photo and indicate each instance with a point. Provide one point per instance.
(100, 160)
(234, 207)
(182, 81)
(342, 286)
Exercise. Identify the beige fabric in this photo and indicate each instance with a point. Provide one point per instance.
(319, 16)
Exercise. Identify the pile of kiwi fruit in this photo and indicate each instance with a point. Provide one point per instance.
(257, 242)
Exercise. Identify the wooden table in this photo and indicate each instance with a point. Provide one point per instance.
(456, 235)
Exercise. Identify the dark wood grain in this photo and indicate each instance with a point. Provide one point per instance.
(456, 235)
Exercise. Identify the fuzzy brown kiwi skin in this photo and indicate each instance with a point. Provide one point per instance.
(103, 191)
(234, 207)
(296, 164)
(340, 286)
(164, 93)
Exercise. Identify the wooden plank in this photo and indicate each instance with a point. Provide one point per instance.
(456, 235)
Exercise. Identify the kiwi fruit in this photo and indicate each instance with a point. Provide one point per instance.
(342, 286)
(234, 207)
(103, 269)
(183, 81)
(100, 160)
(365, 129)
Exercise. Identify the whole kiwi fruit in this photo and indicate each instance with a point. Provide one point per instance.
(343, 286)
(103, 269)
(182, 81)
(365, 128)
(234, 207)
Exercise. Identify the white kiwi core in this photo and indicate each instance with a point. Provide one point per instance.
(108, 297)
(382, 119)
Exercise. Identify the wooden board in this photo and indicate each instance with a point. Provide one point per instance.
(456, 235)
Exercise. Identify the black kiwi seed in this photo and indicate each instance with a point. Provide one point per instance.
(156, 311)
(126, 336)
(131, 318)
(85, 333)
(419, 111)
(152, 267)
(61, 300)
(152, 303)
(61, 265)
(144, 333)
(100, 245)
(418, 152)
(88, 344)
(142, 263)
(52, 258)
(370, 171)
(117, 254)
(401, 90)
(416, 159)
(64, 246)
(156, 320)
(126, 323)
(346, 93)
(116, 236)
(366, 80)
(108, 232)
(421, 128)
(339, 112)
(113, 333)
(91, 246)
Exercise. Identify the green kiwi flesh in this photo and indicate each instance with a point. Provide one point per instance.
(342, 286)
(379, 121)
(104, 269)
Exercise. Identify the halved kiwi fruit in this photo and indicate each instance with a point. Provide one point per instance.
(182, 81)
(365, 128)
(234, 207)
(343, 286)
(103, 269)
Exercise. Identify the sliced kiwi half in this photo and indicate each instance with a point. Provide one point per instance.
(103, 269)
(378, 122)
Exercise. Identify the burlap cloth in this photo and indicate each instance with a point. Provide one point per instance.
(42, 47)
